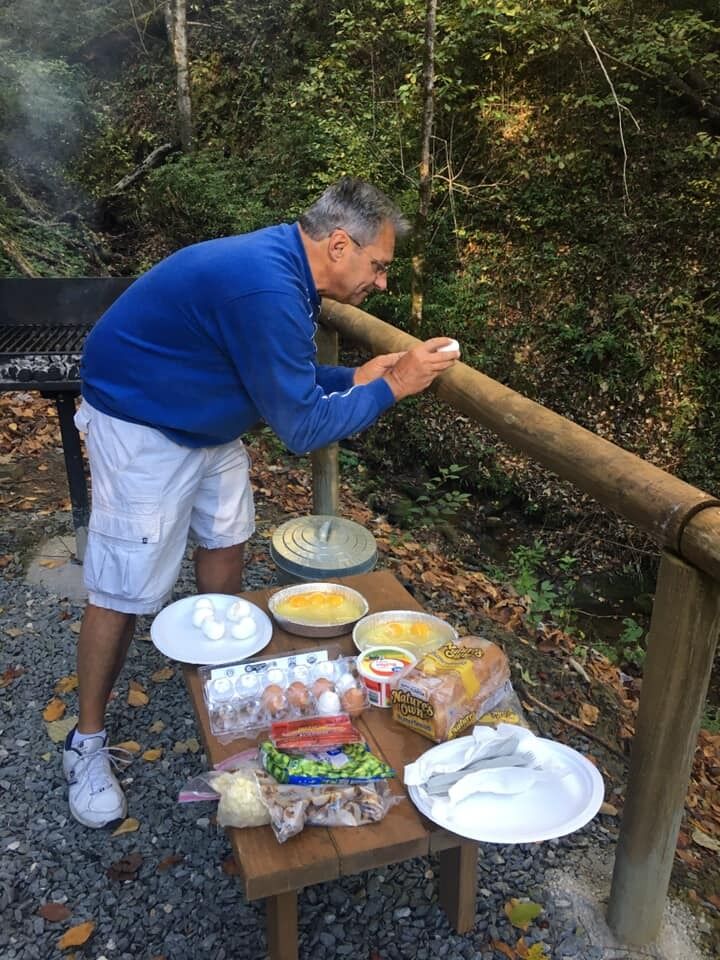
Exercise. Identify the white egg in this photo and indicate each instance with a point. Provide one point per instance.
(275, 675)
(244, 629)
(329, 703)
(345, 683)
(238, 611)
(449, 347)
(200, 615)
(324, 669)
(204, 602)
(213, 629)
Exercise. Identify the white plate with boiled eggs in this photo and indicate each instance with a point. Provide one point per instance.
(211, 628)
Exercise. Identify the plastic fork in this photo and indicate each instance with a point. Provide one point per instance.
(440, 783)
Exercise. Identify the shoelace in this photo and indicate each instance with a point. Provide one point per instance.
(98, 773)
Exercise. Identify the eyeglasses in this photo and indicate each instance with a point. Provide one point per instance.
(378, 266)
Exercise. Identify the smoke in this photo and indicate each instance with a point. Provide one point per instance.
(46, 115)
(43, 119)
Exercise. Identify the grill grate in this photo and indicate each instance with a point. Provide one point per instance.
(39, 338)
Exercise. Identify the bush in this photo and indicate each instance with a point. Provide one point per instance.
(201, 196)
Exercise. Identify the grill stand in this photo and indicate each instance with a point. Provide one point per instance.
(74, 466)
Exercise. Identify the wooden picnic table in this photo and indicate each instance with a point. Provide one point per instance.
(278, 872)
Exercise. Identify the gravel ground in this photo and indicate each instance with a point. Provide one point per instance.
(193, 909)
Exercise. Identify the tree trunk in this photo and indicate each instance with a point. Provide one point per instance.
(425, 179)
(176, 25)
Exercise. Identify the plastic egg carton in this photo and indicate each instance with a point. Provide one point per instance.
(243, 699)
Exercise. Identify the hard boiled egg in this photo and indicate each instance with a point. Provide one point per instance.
(244, 628)
(213, 629)
(201, 614)
(240, 610)
(449, 347)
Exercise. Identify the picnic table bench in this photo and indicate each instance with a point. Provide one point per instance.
(278, 872)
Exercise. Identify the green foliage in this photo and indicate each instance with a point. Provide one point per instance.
(440, 502)
(202, 195)
(711, 719)
(629, 648)
(546, 598)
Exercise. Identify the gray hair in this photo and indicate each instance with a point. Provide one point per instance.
(354, 206)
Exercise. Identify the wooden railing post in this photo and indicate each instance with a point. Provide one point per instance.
(325, 479)
(681, 645)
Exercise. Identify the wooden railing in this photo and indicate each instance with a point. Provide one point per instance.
(685, 622)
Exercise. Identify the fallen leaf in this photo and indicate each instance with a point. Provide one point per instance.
(703, 840)
(170, 861)
(6, 559)
(689, 858)
(157, 727)
(714, 899)
(14, 631)
(608, 809)
(54, 912)
(230, 867)
(136, 698)
(160, 676)
(538, 951)
(683, 840)
(54, 710)
(76, 936)
(127, 826)
(132, 746)
(521, 948)
(521, 913)
(51, 563)
(153, 754)
(503, 948)
(75, 626)
(186, 746)
(10, 674)
(126, 868)
(588, 714)
(66, 684)
(59, 729)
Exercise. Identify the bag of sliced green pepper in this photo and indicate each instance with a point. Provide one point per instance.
(351, 763)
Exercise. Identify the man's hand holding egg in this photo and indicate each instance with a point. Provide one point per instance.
(417, 368)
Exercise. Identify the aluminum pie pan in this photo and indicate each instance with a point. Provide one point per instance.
(302, 628)
(362, 633)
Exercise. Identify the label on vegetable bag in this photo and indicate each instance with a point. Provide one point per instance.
(351, 763)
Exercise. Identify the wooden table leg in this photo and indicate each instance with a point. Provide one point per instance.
(458, 884)
(282, 926)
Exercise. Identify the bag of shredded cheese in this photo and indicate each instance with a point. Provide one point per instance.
(240, 803)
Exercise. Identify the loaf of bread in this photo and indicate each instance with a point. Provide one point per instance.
(446, 692)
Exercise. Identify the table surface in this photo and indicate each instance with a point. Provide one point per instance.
(268, 868)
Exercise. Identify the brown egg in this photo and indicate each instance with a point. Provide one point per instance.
(353, 701)
(273, 699)
(321, 685)
(298, 695)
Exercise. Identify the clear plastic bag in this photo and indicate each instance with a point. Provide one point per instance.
(291, 808)
(234, 785)
(241, 804)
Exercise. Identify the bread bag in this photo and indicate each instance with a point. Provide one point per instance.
(450, 688)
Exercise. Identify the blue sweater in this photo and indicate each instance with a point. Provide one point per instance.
(218, 336)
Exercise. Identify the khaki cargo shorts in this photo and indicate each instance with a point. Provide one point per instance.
(148, 495)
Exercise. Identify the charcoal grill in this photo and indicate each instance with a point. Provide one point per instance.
(43, 325)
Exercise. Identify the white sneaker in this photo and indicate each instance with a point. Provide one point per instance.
(96, 798)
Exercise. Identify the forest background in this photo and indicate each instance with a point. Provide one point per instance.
(571, 240)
